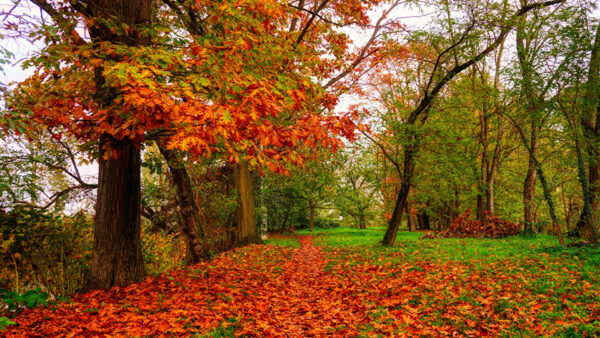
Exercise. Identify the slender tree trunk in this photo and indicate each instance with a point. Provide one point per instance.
(285, 218)
(485, 163)
(117, 253)
(410, 218)
(312, 216)
(529, 187)
(190, 224)
(490, 205)
(246, 213)
(409, 163)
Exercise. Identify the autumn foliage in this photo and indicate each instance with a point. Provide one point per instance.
(335, 291)
(243, 91)
(464, 226)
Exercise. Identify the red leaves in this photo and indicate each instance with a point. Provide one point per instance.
(268, 291)
(463, 226)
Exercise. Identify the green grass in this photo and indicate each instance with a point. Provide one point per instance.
(456, 249)
(567, 279)
(283, 241)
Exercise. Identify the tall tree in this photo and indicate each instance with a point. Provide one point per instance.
(437, 81)
(117, 255)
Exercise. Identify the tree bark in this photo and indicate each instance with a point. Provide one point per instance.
(409, 163)
(246, 213)
(362, 221)
(410, 220)
(529, 188)
(312, 215)
(591, 126)
(190, 224)
(117, 254)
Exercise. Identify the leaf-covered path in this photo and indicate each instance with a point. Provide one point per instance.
(259, 289)
(269, 290)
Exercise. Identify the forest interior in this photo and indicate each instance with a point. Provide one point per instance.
(299, 168)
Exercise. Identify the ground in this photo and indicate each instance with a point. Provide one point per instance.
(341, 282)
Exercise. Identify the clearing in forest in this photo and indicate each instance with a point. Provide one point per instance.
(341, 282)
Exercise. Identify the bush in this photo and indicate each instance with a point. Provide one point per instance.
(41, 249)
(5, 322)
(463, 226)
(162, 251)
(324, 223)
(15, 302)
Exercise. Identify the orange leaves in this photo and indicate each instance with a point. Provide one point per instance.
(263, 290)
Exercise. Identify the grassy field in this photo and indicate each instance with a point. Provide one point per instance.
(523, 285)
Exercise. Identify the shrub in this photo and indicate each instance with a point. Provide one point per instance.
(464, 226)
(162, 251)
(5, 322)
(325, 223)
(42, 249)
(30, 299)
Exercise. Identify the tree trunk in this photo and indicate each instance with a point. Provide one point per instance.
(591, 126)
(190, 224)
(529, 188)
(423, 219)
(410, 220)
(117, 253)
(490, 205)
(246, 213)
(590, 231)
(480, 204)
(285, 218)
(409, 165)
(312, 216)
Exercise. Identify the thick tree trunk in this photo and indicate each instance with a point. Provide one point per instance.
(117, 254)
(591, 126)
(190, 224)
(590, 231)
(480, 212)
(246, 213)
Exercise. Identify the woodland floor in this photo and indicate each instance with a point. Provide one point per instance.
(340, 282)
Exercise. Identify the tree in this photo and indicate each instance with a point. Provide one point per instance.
(438, 79)
(357, 191)
(224, 92)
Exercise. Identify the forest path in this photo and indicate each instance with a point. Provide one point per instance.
(306, 300)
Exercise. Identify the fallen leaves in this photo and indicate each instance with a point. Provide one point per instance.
(307, 291)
